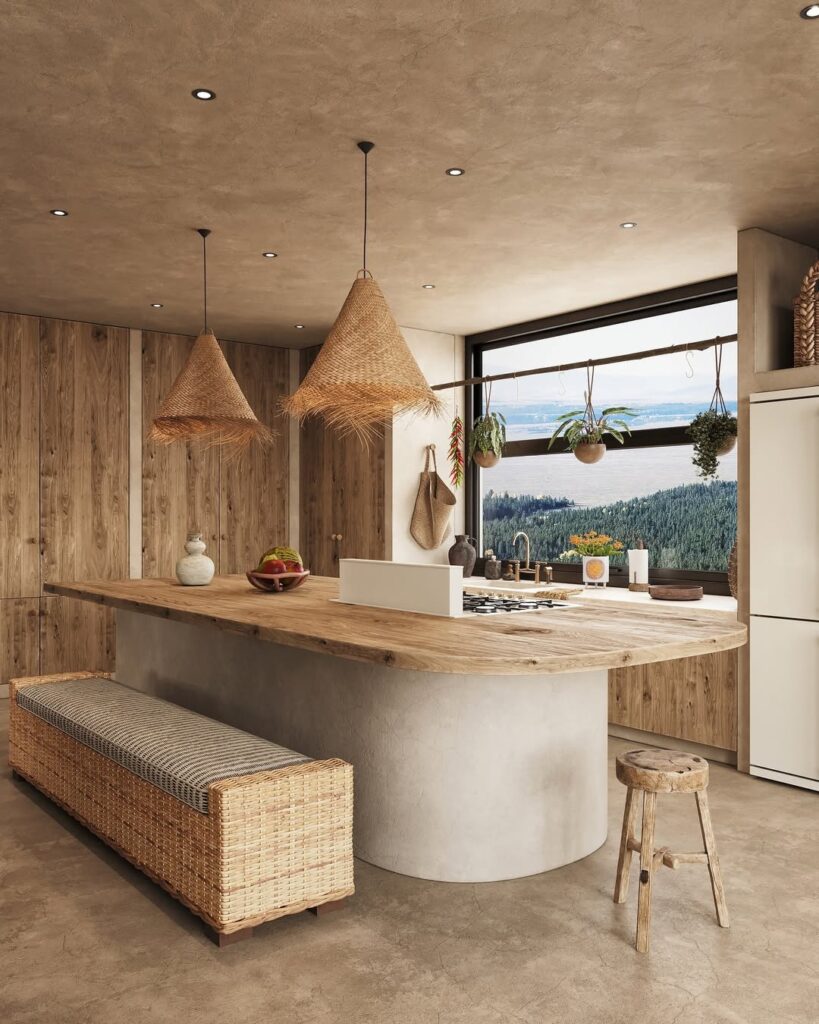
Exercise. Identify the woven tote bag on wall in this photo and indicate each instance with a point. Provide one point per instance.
(434, 504)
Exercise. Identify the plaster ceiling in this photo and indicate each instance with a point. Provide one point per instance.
(694, 119)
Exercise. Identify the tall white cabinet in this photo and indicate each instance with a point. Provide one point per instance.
(784, 586)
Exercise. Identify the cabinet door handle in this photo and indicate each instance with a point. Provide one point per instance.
(336, 536)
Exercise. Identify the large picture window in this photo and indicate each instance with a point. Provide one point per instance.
(648, 489)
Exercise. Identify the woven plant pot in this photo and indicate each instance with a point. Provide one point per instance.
(486, 460)
(727, 446)
(589, 453)
(806, 320)
(365, 373)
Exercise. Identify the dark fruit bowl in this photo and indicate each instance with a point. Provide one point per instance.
(275, 583)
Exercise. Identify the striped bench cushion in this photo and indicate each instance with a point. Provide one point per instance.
(168, 746)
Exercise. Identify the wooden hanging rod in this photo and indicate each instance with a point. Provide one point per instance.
(669, 350)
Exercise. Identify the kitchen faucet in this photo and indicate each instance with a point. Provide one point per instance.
(540, 567)
(525, 536)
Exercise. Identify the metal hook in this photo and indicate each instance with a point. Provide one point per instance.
(689, 358)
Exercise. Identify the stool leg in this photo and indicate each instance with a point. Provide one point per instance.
(624, 860)
(646, 871)
(713, 860)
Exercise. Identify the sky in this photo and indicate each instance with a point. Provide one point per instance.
(664, 379)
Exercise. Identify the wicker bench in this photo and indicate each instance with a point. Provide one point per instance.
(171, 792)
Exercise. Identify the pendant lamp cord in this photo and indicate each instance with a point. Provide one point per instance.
(205, 277)
(366, 156)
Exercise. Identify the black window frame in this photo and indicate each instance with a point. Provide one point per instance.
(704, 293)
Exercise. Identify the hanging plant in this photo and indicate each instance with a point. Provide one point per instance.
(456, 452)
(584, 430)
(714, 432)
(488, 436)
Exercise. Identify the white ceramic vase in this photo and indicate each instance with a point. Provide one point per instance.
(595, 570)
(195, 569)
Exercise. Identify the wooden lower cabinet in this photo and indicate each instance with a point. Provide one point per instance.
(76, 636)
(19, 638)
(691, 699)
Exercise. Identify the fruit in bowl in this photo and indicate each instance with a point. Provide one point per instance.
(280, 568)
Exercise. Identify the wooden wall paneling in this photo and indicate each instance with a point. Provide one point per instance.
(342, 491)
(19, 445)
(316, 513)
(19, 638)
(689, 699)
(359, 491)
(180, 482)
(83, 483)
(254, 510)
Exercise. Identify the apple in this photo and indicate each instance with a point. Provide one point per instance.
(294, 566)
(273, 566)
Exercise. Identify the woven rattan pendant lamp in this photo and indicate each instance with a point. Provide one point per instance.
(365, 372)
(205, 402)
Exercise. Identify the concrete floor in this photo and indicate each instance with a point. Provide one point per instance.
(86, 939)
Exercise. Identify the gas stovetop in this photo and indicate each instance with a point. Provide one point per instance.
(476, 604)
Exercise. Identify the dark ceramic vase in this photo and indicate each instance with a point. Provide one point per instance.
(492, 569)
(463, 553)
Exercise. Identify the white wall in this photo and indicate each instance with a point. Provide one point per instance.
(441, 359)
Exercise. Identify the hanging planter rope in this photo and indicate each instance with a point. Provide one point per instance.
(714, 432)
(205, 402)
(584, 430)
(365, 372)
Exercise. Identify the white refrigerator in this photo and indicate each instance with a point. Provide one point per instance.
(784, 594)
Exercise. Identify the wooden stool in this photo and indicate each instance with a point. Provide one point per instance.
(651, 772)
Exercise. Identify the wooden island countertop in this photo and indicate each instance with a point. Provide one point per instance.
(585, 636)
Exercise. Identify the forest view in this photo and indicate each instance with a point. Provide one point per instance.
(692, 526)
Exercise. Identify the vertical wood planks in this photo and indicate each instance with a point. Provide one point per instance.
(343, 492)
(254, 509)
(19, 638)
(83, 482)
(19, 448)
(688, 698)
(180, 482)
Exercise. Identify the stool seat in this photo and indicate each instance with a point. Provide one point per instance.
(662, 771)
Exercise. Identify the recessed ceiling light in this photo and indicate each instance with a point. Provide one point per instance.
(58, 213)
(203, 94)
(629, 224)
(156, 305)
(810, 12)
(455, 172)
(270, 255)
(299, 327)
(427, 285)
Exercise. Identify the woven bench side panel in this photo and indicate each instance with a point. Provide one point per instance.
(285, 838)
(274, 843)
(168, 840)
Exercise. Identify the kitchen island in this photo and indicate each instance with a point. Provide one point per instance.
(479, 744)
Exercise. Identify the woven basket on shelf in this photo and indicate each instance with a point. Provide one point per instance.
(806, 320)
(206, 402)
(365, 372)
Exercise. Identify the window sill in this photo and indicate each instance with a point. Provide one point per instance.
(709, 603)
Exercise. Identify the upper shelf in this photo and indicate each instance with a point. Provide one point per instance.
(582, 637)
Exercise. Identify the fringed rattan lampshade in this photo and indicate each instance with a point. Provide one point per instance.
(205, 402)
(365, 372)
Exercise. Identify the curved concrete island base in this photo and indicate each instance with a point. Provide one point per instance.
(479, 747)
